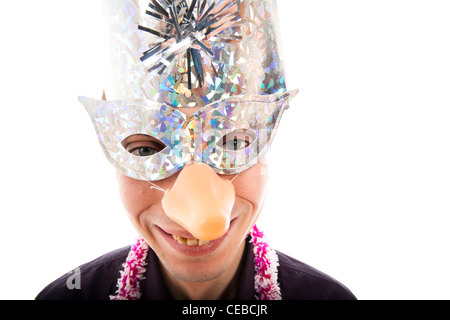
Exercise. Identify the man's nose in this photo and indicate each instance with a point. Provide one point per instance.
(201, 202)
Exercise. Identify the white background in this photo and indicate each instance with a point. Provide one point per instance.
(360, 176)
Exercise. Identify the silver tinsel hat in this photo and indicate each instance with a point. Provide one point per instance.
(192, 52)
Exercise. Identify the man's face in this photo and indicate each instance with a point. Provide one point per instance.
(194, 263)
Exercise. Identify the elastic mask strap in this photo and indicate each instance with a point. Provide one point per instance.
(235, 177)
(154, 186)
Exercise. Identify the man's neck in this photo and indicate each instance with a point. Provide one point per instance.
(224, 287)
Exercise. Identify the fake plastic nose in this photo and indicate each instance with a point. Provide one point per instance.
(201, 202)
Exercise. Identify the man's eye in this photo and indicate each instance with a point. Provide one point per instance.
(143, 145)
(236, 144)
(144, 151)
(236, 140)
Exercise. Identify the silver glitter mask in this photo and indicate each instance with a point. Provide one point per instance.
(192, 52)
(150, 141)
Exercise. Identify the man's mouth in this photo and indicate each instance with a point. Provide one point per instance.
(190, 241)
(185, 243)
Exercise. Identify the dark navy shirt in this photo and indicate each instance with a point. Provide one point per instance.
(98, 280)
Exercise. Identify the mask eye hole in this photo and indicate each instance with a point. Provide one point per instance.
(143, 145)
(237, 140)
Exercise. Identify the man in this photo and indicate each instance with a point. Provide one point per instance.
(196, 94)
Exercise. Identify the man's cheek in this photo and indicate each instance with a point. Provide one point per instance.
(135, 195)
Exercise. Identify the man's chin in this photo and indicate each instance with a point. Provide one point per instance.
(196, 275)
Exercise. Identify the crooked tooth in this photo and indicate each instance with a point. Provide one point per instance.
(180, 240)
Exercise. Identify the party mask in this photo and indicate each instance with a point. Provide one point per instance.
(150, 141)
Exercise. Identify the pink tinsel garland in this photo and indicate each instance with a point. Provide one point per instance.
(133, 272)
(266, 265)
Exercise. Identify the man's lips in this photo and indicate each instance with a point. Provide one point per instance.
(184, 242)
